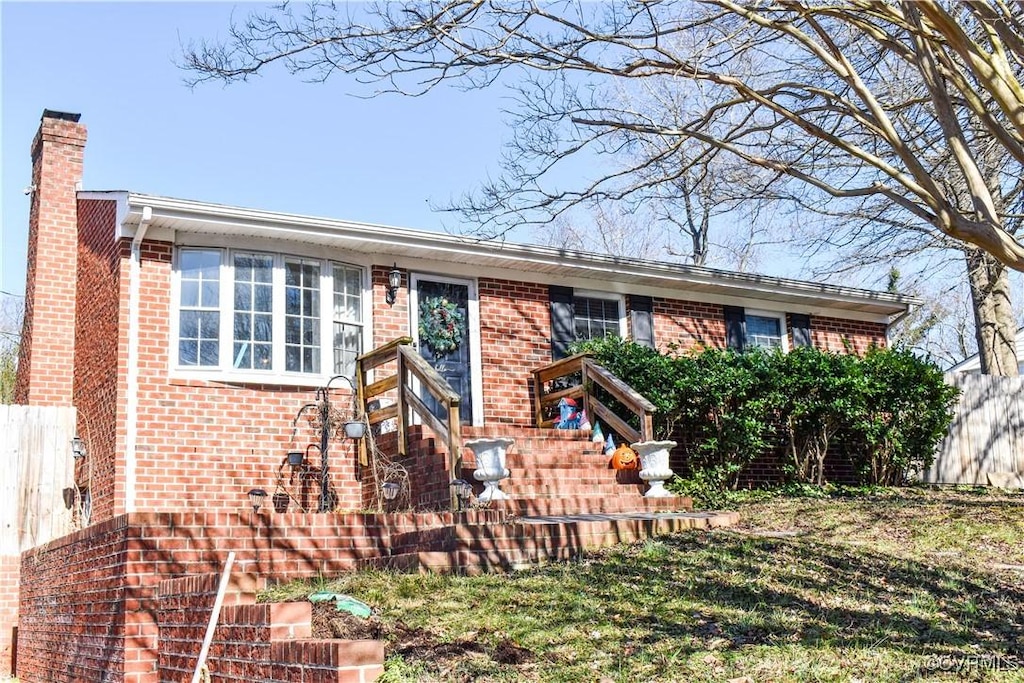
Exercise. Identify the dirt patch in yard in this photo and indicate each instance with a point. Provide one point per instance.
(412, 642)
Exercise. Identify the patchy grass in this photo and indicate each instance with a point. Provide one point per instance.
(891, 585)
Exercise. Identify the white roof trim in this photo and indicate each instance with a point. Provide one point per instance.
(180, 216)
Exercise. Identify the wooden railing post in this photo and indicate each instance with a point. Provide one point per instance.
(454, 450)
(403, 403)
(592, 375)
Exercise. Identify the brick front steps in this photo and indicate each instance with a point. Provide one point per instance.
(555, 471)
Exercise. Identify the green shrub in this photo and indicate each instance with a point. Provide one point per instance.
(907, 410)
(889, 409)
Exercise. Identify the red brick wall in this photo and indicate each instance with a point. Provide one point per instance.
(688, 324)
(840, 334)
(46, 357)
(99, 388)
(10, 569)
(88, 600)
(73, 593)
(202, 443)
(515, 334)
(389, 322)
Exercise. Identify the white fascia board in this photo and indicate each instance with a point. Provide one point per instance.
(208, 218)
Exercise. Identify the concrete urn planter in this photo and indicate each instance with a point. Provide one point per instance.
(490, 465)
(654, 467)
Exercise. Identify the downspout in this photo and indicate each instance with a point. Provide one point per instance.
(894, 321)
(132, 399)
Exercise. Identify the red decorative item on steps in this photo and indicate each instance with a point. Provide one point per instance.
(624, 458)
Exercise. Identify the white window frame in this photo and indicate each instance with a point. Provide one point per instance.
(619, 299)
(783, 331)
(224, 371)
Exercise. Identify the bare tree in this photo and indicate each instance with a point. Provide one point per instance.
(877, 103)
(11, 311)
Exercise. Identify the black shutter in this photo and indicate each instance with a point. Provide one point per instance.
(563, 320)
(800, 324)
(641, 314)
(735, 327)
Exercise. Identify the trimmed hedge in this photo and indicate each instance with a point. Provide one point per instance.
(888, 408)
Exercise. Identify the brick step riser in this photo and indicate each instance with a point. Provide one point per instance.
(557, 478)
(585, 505)
(574, 487)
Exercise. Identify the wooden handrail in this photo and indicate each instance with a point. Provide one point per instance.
(592, 374)
(409, 365)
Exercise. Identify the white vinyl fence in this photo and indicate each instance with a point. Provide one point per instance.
(985, 444)
(36, 465)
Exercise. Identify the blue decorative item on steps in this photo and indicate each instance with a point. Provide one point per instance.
(609, 446)
(597, 436)
(568, 414)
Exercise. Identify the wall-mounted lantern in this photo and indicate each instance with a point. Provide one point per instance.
(394, 282)
(77, 447)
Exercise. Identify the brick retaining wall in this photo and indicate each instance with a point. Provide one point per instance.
(252, 642)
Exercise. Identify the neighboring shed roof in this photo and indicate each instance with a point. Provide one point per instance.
(973, 363)
(187, 216)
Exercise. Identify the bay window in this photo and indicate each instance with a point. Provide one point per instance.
(280, 321)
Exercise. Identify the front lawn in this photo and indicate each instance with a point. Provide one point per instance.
(899, 585)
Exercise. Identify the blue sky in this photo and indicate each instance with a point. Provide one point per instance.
(273, 143)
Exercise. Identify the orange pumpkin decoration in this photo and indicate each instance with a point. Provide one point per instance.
(624, 458)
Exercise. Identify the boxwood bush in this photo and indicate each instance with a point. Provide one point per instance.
(888, 409)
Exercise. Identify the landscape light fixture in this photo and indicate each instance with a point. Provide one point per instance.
(77, 447)
(394, 282)
(390, 490)
(256, 497)
(463, 489)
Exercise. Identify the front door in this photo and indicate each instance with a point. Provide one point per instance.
(441, 326)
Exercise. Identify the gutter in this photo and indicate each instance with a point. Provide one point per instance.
(132, 399)
(200, 217)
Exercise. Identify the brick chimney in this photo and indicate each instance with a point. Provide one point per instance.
(47, 355)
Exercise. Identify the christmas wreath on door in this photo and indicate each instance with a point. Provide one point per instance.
(442, 325)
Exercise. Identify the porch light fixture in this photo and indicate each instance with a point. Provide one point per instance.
(394, 282)
(390, 490)
(77, 447)
(70, 493)
(463, 489)
(256, 497)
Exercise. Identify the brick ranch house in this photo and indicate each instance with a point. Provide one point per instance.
(188, 336)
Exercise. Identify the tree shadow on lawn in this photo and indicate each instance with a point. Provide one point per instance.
(764, 591)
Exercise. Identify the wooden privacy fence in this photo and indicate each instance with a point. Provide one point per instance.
(37, 466)
(987, 433)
